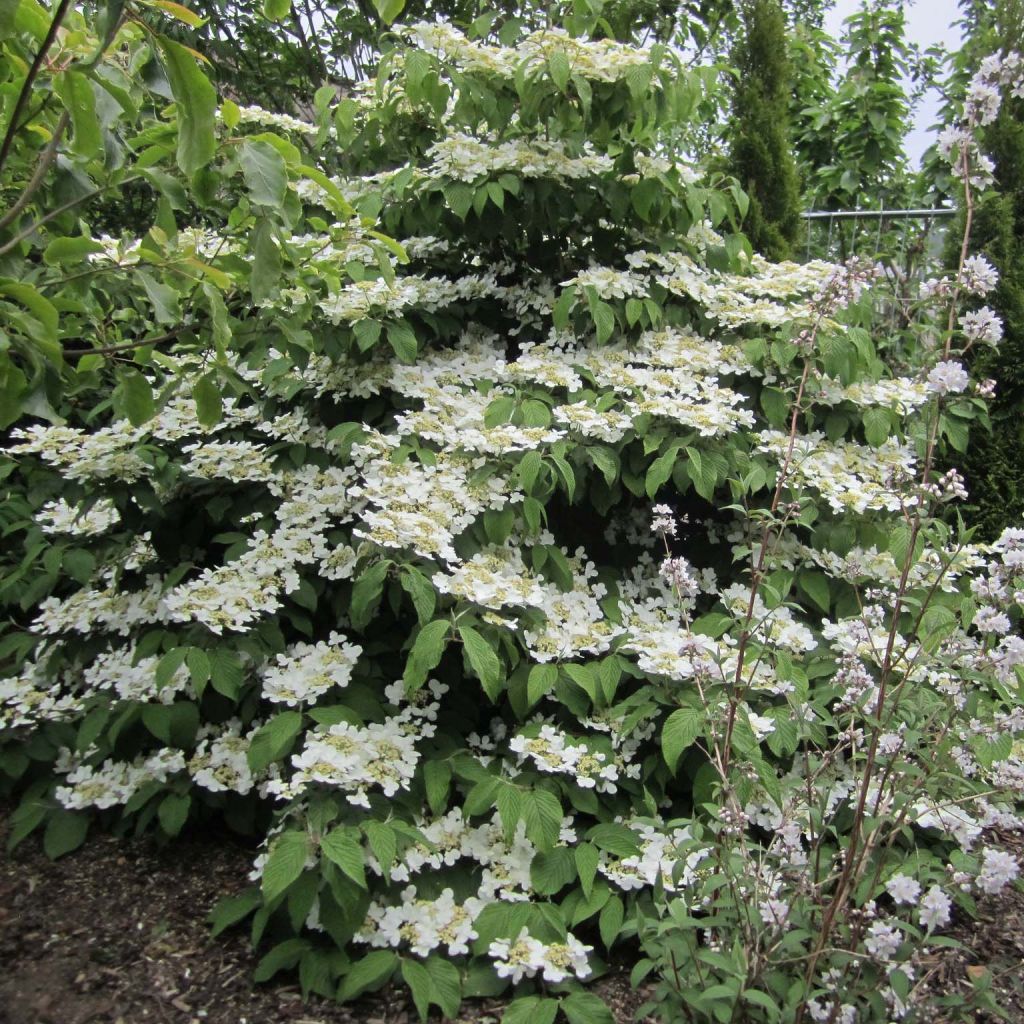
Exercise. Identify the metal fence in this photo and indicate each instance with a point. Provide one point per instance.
(910, 241)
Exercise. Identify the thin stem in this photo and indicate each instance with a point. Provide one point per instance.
(26, 86)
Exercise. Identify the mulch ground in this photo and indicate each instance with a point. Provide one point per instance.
(115, 933)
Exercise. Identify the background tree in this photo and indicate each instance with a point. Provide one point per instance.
(994, 463)
(850, 137)
(760, 151)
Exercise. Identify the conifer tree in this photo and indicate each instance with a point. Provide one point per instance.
(761, 153)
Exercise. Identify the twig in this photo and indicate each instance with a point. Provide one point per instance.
(26, 86)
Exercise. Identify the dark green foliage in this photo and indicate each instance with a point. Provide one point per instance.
(761, 150)
(994, 463)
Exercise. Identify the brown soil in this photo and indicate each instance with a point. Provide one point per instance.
(115, 933)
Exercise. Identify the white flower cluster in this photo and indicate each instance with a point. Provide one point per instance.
(599, 60)
(423, 924)
(525, 956)
(464, 158)
(849, 476)
(115, 782)
(220, 762)
(81, 520)
(355, 759)
(305, 672)
(552, 750)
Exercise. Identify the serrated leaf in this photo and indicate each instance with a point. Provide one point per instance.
(383, 843)
(540, 683)
(543, 816)
(402, 339)
(426, 652)
(437, 777)
(233, 909)
(446, 985)
(368, 973)
(482, 659)
(342, 847)
(531, 1010)
(274, 739)
(552, 871)
(680, 731)
(285, 862)
(416, 976)
(586, 1008)
(587, 859)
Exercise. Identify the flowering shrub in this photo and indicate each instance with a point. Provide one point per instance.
(394, 602)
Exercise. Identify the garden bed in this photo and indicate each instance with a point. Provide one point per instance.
(116, 934)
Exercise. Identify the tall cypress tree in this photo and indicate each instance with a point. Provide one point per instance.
(761, 151)
(994, 462)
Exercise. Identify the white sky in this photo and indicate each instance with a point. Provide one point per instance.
(928, 22)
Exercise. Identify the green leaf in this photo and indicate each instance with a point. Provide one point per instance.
(587, 859)
(233, 909)
(277, 10)
(76, 93)
(285, 862)
(416, 976)
(528, 468)
(342, 847)
(198, 662)
(402, 339)
(426, 652)
(366, 594)
(617, 839)
(558, 65)
(195, 101)
(65, 831)
(680, 731)
(482, 659)
(531, 1010)
(368, 973)
(877, 424)
(775, 404)
(421, 590)
(209, 403)
(173, 812)
(437, 777)
(273, 740)
(284, 956)
(446, 985)
(604, 320)
(226, 673)
(607, 461)
(167, 667)
(586, 1008)
(552, 871)
(265, 273)
(69, 250)
(542, 814)
(382, 842)
(541, 682)
(610, 922)
(815, 586)
(264, 171)
(389, 9)
(165, 300)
